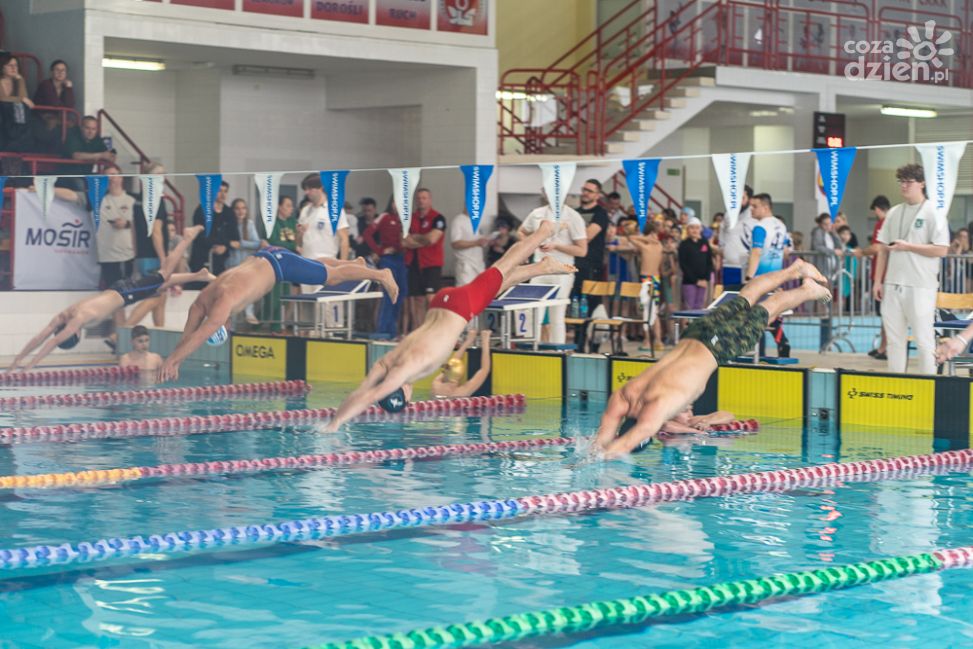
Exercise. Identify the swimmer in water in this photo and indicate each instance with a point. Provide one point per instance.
(64, 331)
(688, 423)
(664, 390)
(449, 383)
(140, 356)
(424, 350)
(243, 285)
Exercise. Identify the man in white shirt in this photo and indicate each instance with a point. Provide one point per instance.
(314, 225)
(912, 240)
(468, 246)
(569, 241)
(736, 244)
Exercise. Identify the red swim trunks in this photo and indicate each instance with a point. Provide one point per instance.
(472, 299)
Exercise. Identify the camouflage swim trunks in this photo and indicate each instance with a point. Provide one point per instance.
(730, 330)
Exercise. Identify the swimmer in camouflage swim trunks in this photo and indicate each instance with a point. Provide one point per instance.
(645, 403)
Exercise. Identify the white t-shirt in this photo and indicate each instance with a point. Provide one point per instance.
(738, 241)
(915, 224)
(318, 238)
(461, 229)
(114, 244)
(571, 229)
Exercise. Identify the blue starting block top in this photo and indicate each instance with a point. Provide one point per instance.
(957, 325)
(351, 287)
(524, 294)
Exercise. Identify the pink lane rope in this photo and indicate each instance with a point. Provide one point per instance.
(258, 465)
(196, 424)
(69, 376)
(205, 392)
(956, 557)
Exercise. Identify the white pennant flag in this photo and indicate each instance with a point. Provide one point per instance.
(557, 181)
(152, 188)
(44, 185)
(404, 184)
(268, 186)
(941, 165)
(731, 171)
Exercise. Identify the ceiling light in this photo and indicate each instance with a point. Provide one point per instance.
(763, 113)
(133, 64)
(899, 111)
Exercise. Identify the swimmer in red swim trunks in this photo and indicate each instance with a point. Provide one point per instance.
(424, 350)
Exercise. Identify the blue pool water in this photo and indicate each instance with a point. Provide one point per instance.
(294, 595)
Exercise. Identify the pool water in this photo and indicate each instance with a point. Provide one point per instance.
(294, 595)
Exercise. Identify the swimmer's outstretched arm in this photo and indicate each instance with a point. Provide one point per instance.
(673, 426)
(955, 345)
(713, 418)
(383, 379)
(196, 332)
(71, 327)
(35, 342)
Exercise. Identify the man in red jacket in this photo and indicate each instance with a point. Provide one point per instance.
(424, 258)
(384, 238)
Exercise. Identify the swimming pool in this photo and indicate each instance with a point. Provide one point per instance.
(300, 594)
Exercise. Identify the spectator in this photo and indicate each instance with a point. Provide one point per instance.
(384, 239)
(850, 266)
(841, 220)
(696, 264)
(592, 265)
(151, 249)
(797, 241)
(716, 226)
(314, 226)
(651, 257)
(84, 145)
(174, 239)
(614, 208)
(15, 107)
(250, 241)
(366, 217)
(912, 240)
(502, 237)
(827, 245)
(684, 215)
(56, 90)
(423, 257)
(283, 236)
(468, 247)
(570, 242)
(879, 207)
(735, 245)
(213, 249)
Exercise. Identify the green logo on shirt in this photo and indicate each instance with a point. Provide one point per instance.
(918, 224)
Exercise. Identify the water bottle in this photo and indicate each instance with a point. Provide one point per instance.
(584, 306)
(574, 310)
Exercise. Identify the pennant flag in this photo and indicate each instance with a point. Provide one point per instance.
(268, 186)
(476, 177)
(557, 181)
(941, 165)
(731, 171)
(152, 187)
(209, 187)
(44, 185)
(834, 165)
(97, 188)
(404, 183)
(334, 189)
(3, 183)
(640, 176)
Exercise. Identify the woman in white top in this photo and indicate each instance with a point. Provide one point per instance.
(249, 243)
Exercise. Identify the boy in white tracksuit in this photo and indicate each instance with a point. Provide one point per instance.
(912, 241)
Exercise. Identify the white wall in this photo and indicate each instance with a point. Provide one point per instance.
(144, 104)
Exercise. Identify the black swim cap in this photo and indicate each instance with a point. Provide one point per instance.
(395, 402)
(68, 343)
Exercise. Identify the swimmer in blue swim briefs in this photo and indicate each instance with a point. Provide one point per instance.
(64, 330)
(238, 287)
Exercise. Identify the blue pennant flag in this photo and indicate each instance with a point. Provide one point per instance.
(640, 176)
(3, 183)
(477, 177)
(97, 188)
(333, 183)
(209, 187)
(834, 165)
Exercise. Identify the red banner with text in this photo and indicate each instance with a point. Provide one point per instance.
(463, 16)
(349, 11)
(294, 8)
(416, 14)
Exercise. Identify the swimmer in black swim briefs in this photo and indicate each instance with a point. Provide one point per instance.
(64, 330)
(665, 389)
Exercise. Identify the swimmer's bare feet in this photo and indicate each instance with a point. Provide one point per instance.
(360, 261)
(546, 227)
(203, 275)
(816, 291)
(192, 231)
(387, 280)
(809, 271)
(551, 266)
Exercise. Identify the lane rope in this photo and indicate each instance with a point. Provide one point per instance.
(635, 610)
(198, 393)
(320, 527)
(69, 376)
(198, 424)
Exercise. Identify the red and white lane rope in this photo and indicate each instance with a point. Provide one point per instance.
(69, 376)
(196, 424)
(197, 393)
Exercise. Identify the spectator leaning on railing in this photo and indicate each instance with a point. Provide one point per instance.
(57, 90)
(15, 108)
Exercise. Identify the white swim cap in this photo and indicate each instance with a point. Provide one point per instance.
(219, 337)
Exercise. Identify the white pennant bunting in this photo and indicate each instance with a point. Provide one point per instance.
(731, 171)
(44, 185)
(940, 162)
(268, 186)
(557, 181)
(152, 188)
(404, 184)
